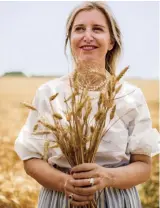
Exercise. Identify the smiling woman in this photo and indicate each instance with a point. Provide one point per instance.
(93, 24)
(123, 159)
(90, 37)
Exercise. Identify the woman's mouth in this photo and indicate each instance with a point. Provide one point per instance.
(88, 48)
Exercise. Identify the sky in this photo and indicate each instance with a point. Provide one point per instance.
(32, 35)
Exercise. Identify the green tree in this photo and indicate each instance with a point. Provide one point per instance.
(14, 73)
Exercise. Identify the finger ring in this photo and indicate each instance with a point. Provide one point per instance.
(91, 181)
(70, 197)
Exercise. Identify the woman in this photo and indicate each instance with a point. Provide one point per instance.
(123, 159)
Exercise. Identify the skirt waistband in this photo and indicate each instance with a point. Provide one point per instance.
(67, 170)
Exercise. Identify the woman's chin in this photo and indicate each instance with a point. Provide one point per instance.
(88, 58)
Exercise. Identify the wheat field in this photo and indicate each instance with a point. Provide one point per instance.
(17, 190)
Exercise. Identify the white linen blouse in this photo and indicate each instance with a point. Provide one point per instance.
(132, 134)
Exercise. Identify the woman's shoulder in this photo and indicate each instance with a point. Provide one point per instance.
(130, 92)
(130, 98)
(129, 102)
(52, 84)
(128, 86)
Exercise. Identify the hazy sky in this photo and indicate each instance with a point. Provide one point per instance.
(32, 37)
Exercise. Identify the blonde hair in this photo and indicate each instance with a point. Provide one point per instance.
(115, 33)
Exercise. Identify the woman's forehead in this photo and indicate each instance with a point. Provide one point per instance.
(93, 16)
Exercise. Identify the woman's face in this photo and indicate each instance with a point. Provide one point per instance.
(90, 37)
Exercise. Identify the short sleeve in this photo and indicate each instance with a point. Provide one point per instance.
(143, 139)
(26, 144)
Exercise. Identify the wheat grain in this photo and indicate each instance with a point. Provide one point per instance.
(53, 97)
(31, 107)
(112, 112)
(57, 115)
(122, 73)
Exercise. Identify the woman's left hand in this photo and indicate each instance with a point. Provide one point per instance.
(86, 173)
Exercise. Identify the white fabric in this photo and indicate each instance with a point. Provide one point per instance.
(131, 134)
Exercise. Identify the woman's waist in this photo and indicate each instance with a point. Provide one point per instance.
(67, 169)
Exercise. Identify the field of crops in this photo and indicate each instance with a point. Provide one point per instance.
(17, 190)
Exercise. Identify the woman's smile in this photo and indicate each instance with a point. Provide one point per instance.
(88, 47)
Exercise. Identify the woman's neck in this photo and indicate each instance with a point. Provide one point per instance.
(87, 66)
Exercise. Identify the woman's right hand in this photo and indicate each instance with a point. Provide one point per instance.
(77, 200)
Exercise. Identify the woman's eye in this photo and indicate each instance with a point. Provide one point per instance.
(97, 29)
(79, 29)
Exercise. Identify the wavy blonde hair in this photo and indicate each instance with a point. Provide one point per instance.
(115, 33)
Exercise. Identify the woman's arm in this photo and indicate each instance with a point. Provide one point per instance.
(54, 179)
(46, 175)
(137, 172)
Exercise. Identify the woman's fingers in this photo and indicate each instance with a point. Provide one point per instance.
(68, 187)
(79, 200)
(82, 198)
(90, 174)
(84, 167)
(82, 187)
(76, 203)
(86, 190)
(84, 182)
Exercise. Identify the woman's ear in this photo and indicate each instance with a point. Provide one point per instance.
(111, 45)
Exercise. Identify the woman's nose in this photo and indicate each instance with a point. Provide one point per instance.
(88, 36)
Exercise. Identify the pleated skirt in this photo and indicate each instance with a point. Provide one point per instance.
(108, 198)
